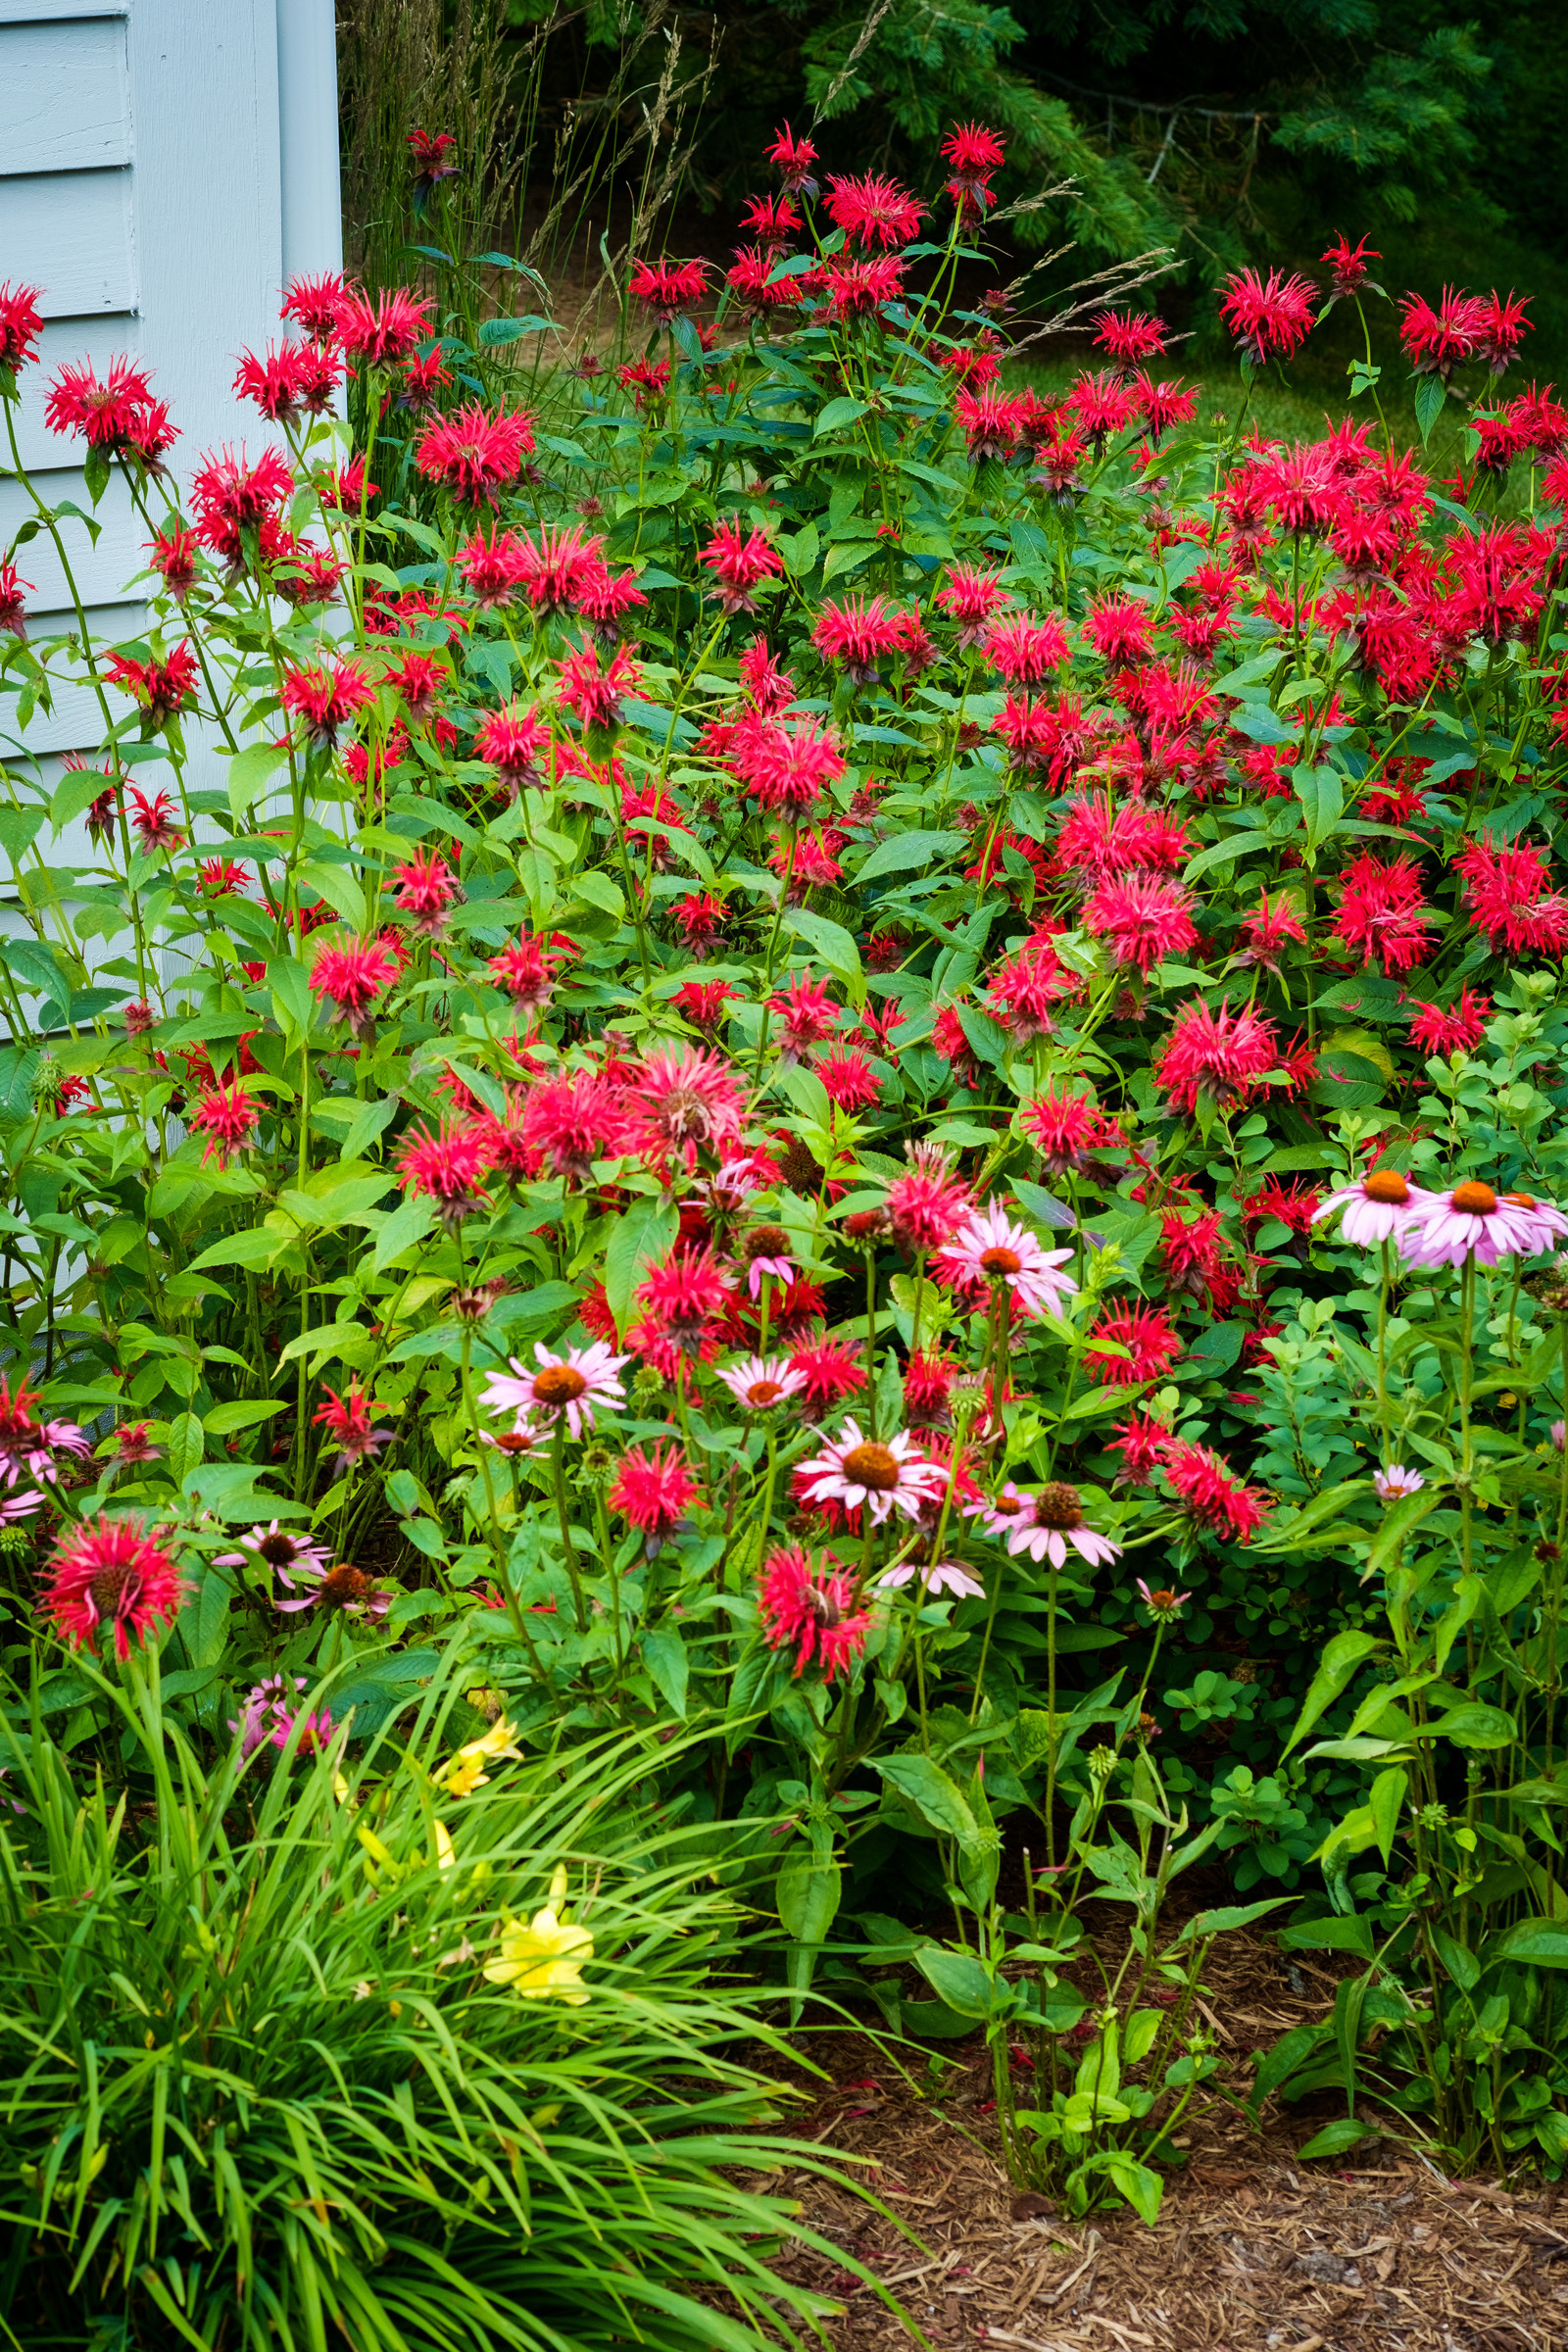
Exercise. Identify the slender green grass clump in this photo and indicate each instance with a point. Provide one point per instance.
(311, 2049)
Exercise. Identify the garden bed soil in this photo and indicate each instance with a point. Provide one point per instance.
(1253, 2251)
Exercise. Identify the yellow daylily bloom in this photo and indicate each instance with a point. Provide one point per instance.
(543, 1961)
(466, 1770)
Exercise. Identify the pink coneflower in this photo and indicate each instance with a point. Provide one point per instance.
(110, 1572)
(830, 1370)
(936, 1579)
(653, 1490)
(1395, 1482)
(926, 1206)
(1045, 1525)
(851, 1470)
(1161, 1602)
(1473, 1217)
(274, 1547)
(1146, 1333)
(1379, 1208)
(227, 1117)
(29, 1446)
(1214, 1497)
(990, 1248)
(351, 978)
(684, 1101)
(344, 1587)
(565, 1388)
(811, 1611)
(765, 1250)
(446, 1168)
(758, 1383)
(271, 1718)
(348, 1420)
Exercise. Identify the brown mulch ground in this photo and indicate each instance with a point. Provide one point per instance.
(1253, 2252)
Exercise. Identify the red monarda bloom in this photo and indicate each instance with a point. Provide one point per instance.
(596, 692)
(791, 159)
(971, 596)
(1164, 404)
(297, 380)
(426, 887)
(1268, 929)
(526, 970)
(1024, 648)
(685, 1294)
(684, 1101)
(699, 917)
(1346, 264)
(21, 324)
(110, 1573)
(514, 742)
(351, 977)
(162, 688)
(788, 767)
(666, 289)
(1129, 336)
(348, 1420)
(772, 220)
(830, 1370)
(13, 605)
(1267, 316)
(113, 415)
(848, 1078)
(1066, 1128)
(557, 572)
(873, 212)
(1025, 987)
(806, 1014)
(653, 1490)
(1436, 340)
(1221, 1056)
(926, 1206)
(1382, 911)
(446, 1168)
(738, 560)
(474, 454)
(1459, 1030)
(1103, 405)
(313, 304)
(1142, 919)
(1510, 898)
(1120, 628)
(172, 555)
(856, 289)
(574, 1120)
(857, 633)
(1213, 1496)
(327, 698)
(1146, 1334)
(992, 422)
(380, 332)
(227, 1117)
(811, 1612)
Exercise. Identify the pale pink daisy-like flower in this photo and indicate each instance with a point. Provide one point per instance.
(768, 1261)
(275, 1547)
(1379, 1208)
(939, 1577)
(1396, 1481)
(851, 1470)
(1046, 1525)
(757, 1382)
(1551, 1224)
(1161, 1601)
(565, 1387)
(1471, 1217)
(989, 1247)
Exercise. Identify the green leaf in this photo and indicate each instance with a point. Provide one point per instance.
(407, 1226)
(643, 1234)
(1430, 396)
(18, 830)
(842, 411)
(936, 1798)
(959, 1979)
(1142, 2188)
(494, 333)
(206, 1628)
(1321, 793)
(1341, 1659)
(225, 1419)
(247, 775)
(336, 886)
(664, 1653)
(186, 1445)
(832, 943)
(1336, 2139)
(1386, 1803)
(806, 1896)
(1043, 1206)
(1472, 1725)
(1336, 1933)
(292, 1000)
(254, 1247)
(906, 850)
(598, 890)
(1542, 1942)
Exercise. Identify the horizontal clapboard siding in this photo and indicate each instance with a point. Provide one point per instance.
(67, 96)
(70, 234)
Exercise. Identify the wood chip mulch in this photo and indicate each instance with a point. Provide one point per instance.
(1253, 2251)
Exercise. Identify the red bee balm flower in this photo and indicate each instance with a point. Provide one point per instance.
(348, 1419)
(738, 560)
(512, 742)
(475, 455)
(1214, 1497)
(153, 821)
(811, 1612)
(426, 888)
(446, 1168)
(665, 289)
(327, 698)
(227, 1117)
(1267, 314)
(314, 303)
(110, 1572)
(793, 157)
(524, 970)
(873, 212)
(19, 325)
(351, 977)
(162, 688)
(596, 694)
(684, 1101)
(1129, 336)
(653, 1491)
(574, 1120)
(1221, 1056)
(380, 332)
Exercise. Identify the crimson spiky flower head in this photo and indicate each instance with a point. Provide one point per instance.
(791, 159)
(1129, 336)
(1219, 1057)
(1214, 1498)
(596, 692)
(21, 324)
(1437, 340)
(475, 454)
(1145, 1334)
(161, 689)
(114, 416)
(873, 212)
(653, 1490)
(739, 560)
(296, 380)
(351, 978)
(1347, 265)
(348, 1420)
(110, 1573)
(13, 608)
(1268, 317)
(811, 1611)
(572, 1120)
(446, 1169)
(314, 303)
(326, 697)
(229, 1118)
(668, 289)
(384, 330)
